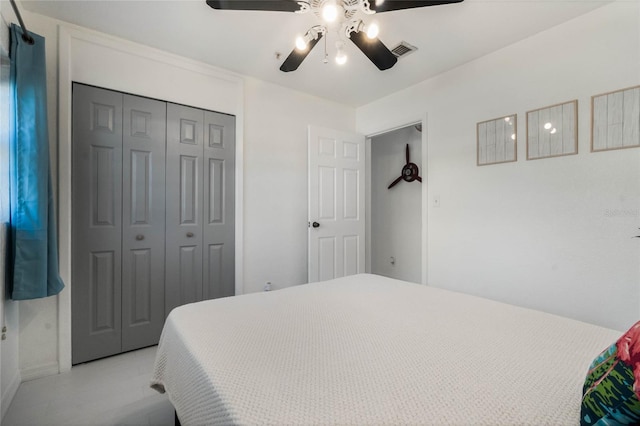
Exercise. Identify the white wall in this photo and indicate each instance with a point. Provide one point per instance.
(552, 234)
(9, 369)
(396, 213)
(276, 180)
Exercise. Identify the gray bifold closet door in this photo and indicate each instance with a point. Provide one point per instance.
(97, 223)
(184, 206)
(219, 205)
(118, 218)
(143, 221)
(153, 225)
(200, 205)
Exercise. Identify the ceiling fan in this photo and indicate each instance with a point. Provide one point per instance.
(409, 171)
(336, 13)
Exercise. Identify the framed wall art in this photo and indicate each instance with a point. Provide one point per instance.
(552, 131)
(497, 140)
(615, 120)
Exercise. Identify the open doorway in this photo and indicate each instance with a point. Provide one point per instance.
(395, 231)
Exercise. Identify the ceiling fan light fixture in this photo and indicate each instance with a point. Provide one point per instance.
(339, 15)
(329, 11)
(301, 43)
(341, 57)
(373, 30)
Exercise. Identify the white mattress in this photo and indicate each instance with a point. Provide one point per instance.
(371, 350)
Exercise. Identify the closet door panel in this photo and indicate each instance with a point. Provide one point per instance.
(184, 192)
(143, 199)
(219, 205)
(97, 223)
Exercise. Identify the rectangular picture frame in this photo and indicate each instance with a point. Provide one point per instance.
(552, 131)
(497, 140)
(615, 120)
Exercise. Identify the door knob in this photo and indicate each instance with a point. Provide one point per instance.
(139, 237)
(189, 234)
(315, 224)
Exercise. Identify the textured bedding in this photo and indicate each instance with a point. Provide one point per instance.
(372, 350)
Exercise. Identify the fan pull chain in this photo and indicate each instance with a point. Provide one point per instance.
(326, 55)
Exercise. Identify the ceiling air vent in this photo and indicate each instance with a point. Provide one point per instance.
(403, 49)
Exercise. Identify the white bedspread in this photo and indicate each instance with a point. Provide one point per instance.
(371, 350)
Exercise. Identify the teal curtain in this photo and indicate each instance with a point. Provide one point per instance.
(33, 247)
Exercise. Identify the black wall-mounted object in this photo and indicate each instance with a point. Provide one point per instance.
(410, 171)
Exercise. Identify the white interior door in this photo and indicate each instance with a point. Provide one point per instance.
(336, 204)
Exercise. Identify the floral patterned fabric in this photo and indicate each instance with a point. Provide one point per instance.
(611, 392)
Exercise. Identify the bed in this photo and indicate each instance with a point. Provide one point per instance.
(366, 349)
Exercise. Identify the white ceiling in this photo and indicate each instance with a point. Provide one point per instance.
(246, 42)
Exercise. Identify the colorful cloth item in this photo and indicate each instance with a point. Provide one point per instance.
(611, 392)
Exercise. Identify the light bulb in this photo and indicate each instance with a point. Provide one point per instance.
(341, 58)
(547, 126)
(553, 131)
(301, 43)
(373, 30)
(513, 136)
(329, 11)
(507, 119)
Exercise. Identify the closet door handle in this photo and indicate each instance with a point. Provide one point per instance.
(189, 234)
(139, 237)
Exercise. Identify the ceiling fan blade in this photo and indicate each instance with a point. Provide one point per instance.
(296, 56)
(418, 178)
(394, 182)
(407, 153)
(390, 5)
(266, 5)
(374, 49)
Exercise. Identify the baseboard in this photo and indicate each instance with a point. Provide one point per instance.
(39, 371)
(10, 392)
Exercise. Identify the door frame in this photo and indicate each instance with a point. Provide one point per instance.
(425, 193)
